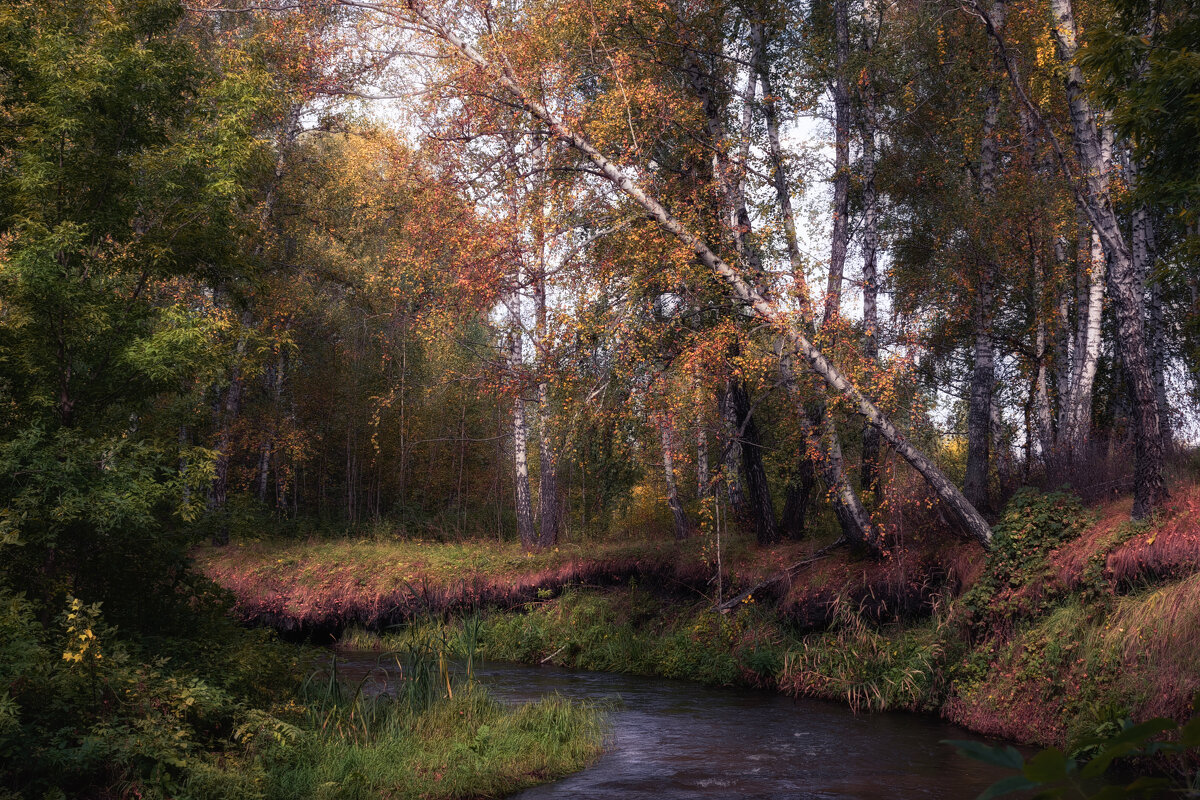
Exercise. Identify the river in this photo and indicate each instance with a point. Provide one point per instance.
(676, 739)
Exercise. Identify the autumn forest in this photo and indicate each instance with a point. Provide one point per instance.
(837, 349)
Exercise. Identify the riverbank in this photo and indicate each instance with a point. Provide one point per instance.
(1076, 618)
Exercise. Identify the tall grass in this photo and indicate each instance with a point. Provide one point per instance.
(418, 727)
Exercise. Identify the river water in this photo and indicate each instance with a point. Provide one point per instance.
(676, 739)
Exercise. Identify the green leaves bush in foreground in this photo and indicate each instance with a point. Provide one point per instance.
(1051, 773)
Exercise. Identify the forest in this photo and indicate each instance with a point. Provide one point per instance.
(812, 349)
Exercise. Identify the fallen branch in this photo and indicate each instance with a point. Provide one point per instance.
(787, 572)
(552, 655)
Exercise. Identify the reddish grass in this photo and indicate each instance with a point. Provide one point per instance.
(1170, 548)
(343, 598)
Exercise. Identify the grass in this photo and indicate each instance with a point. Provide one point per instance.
(419, 729)
(469, 745)
(333, 584)
(625, 629)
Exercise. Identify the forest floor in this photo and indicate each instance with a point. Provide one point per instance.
(1077, 618)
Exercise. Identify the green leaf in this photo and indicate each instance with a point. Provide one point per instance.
(1049, 766)
(1013, 783)
(1141, 733)
(1099, 765)
(1000, 756)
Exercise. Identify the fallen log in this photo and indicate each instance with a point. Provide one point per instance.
(787, 572)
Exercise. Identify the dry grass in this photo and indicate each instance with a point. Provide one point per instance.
(1156, 638)
(328, 585)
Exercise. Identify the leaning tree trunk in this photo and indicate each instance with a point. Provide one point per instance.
(967, 517)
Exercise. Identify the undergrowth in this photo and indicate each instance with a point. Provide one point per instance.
(84, 709)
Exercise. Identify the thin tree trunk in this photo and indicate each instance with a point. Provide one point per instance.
(1041, 400)
(841, 163)
(731, 468)
(520, 455)
(793, 522)
(548, 499)
(1144, 253)
(752, 461)
(227, 408)
(702, 476)
(983, 373)
(967, 517)
(548, 505)
(869, 477)
(682, 529)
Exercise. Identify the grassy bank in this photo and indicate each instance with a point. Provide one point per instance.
(468, 745)
(1076, 619)
(219, 712)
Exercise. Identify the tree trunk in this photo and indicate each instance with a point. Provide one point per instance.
(227, 407)
(548, 506)
(682, 529)
(822, 438)
(793, 523)
(757, 489)
(1144, 253)
(979, 412)
(702, 477)
(1041, 401)
(960, 509)
(841, 163)
(1075, 431)
(520, 453)
(983, 373)
(731, 466)
(869, 477)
